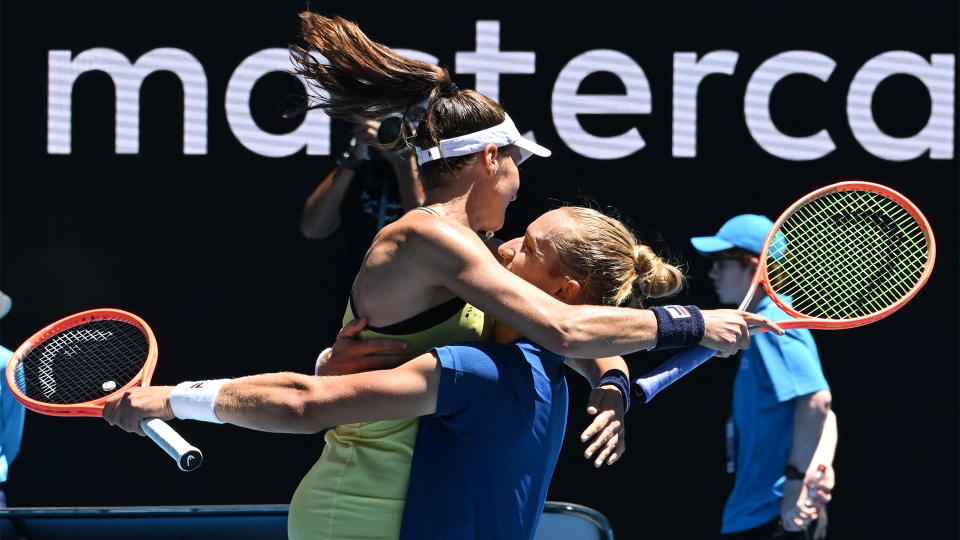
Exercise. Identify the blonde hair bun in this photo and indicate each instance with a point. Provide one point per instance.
(659, 277)
(612, 267)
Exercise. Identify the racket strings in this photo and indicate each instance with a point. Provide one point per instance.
(840, 260)
(73, 365)
(847, 254)
(885, 240)
(874, 254)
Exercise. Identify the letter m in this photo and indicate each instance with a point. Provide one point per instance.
(127, 79)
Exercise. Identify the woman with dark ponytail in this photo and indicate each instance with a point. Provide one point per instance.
(421, 270)
(360, 78)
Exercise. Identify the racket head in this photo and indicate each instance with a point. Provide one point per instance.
(848, 254)
(64, 369)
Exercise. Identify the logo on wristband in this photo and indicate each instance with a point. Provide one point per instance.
(677, 312)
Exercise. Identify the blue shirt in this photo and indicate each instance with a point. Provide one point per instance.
(773, 371)
(11, 420)
(482, 463)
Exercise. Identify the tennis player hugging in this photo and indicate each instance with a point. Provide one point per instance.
(461, 440)
(492, 414)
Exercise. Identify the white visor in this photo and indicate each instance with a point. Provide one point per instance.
(502, 134)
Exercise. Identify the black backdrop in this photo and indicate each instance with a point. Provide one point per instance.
(206, 246)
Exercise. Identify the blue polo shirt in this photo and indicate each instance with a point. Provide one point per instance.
(773, 371)
(11, 419)
(482, 464)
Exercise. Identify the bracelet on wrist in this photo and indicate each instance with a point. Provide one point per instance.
(619, 379)
(196, 400)
(678, 326)
(348, 161)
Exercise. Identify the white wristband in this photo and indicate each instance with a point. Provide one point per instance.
(195, 400)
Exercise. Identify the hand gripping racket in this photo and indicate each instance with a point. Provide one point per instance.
(71, 367)
(849, 254)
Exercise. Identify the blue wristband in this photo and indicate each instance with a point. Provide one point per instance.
(619, 379)
(678, 326)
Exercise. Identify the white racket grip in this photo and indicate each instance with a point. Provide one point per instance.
(187, 456)
(668, 372)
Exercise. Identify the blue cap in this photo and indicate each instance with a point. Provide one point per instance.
(746, 231)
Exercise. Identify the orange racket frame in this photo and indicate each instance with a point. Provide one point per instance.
(87, 408)
(187, 456)
(653, 382)
(805, 321)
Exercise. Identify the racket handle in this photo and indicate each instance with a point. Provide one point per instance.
(668, 372)
(187, 456)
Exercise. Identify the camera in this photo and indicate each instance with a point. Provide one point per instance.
(396, 127)
(390, 133)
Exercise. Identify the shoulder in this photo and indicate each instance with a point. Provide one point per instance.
(481, 355)
(430, 237)
(534, 350)
(467, 356)
(476, 367)
(424, 225)
(5, 355)
(470, 351)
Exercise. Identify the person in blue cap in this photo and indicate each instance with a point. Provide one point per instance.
(11, 413)
(782, 434)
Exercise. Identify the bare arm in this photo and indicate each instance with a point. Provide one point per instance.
(296, 403)
(809, 416)
(606, 435)
(454, 257)
(828, 443)
(810, 412)
(321, 213)
(819, 490)
(289, 402)
(592, 369)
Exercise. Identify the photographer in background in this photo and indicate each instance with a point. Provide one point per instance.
(374, 182)
(11, 413)
(387, 183)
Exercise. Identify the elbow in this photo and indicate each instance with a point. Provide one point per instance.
(310, 233)
(820, 402)
(318, 229)
(567, 338)
(301, 412)
(313, 232)
(296, 418)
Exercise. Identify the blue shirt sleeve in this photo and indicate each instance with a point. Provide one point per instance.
(11, 420)
(472, 383)
(792, 362)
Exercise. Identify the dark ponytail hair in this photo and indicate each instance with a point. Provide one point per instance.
(363, 78)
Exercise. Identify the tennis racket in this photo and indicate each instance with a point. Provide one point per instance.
(71, 367)
(849, 254)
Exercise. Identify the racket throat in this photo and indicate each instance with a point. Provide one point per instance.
(752, 298)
